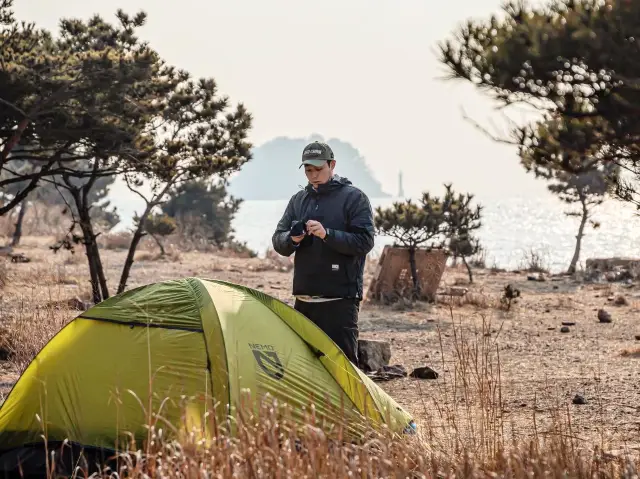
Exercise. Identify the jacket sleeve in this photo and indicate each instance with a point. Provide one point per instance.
(281, 241)
(358, 241)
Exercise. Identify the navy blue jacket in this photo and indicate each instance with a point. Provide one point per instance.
(332, 267)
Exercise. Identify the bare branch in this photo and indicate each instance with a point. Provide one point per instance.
(483, 130)
(13, 107)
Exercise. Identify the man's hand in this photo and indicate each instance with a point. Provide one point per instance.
(297, 239)
(315, 228)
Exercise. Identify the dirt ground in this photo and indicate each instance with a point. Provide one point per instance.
(516, 367)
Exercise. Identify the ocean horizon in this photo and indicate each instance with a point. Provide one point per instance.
(512, 228)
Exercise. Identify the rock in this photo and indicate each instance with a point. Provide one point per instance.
(610, 276)
(579, 399)
(565, 329)
(620, 301)
(568, 323)
(637, 337)
(19, 258)
(459, 292)
(373, 354)
(387, 373)
(604, 316)
(78, 304)
(424, 373)
(612, 269)
(539, 278)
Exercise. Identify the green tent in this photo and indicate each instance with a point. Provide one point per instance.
(182, 348)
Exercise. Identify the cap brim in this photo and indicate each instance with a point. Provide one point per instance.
(313, 163)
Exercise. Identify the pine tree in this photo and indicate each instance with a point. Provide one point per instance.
(577, 62)
(431, 223)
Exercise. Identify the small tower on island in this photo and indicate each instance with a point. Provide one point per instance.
(400, 188)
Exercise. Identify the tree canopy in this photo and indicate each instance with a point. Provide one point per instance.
(96, 102)
(431, 223)
(576, 62)
(204, 210)
(84, 96)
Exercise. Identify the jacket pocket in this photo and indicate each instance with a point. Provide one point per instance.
(339, 268)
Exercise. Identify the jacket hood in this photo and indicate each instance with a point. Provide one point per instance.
(335, 183)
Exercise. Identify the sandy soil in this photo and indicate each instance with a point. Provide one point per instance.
(541, 369)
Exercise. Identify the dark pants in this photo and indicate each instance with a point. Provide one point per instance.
(338, 319)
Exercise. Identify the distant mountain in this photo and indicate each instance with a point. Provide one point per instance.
(273, 174)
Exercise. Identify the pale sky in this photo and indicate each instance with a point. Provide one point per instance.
(364, 71)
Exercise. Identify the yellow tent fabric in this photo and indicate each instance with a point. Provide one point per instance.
(189, 345)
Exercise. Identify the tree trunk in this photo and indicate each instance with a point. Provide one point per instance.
(583, 222)
(14, 140)
(464, 260)
(98, 281)
(135, 241)
(160, 245)
(17, 233)
(96, 294)
(414, 272)
(99, 288)
(139, 233)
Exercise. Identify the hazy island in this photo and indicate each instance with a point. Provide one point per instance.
(278, 160)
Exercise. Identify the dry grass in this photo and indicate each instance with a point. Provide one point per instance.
(479, 260)
(75, 258)
(534, 262)
(173, 254)
(31, 329)
(4, 273)
(115, 241)
(40, 219)
(268, 446)
(476, 299)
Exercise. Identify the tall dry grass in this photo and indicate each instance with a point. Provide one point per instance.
(465, 434)
(40, 220)
(4, 273)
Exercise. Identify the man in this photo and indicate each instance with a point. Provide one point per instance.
(329, 226)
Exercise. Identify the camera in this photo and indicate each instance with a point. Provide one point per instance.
(298, 228)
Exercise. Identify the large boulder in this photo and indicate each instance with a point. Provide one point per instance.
(612, 269)
(373, 354)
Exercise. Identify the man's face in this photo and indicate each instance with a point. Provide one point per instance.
(318, 175)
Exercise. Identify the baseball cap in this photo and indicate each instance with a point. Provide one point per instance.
(316, 154)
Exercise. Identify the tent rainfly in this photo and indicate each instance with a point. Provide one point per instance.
(189, 347)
